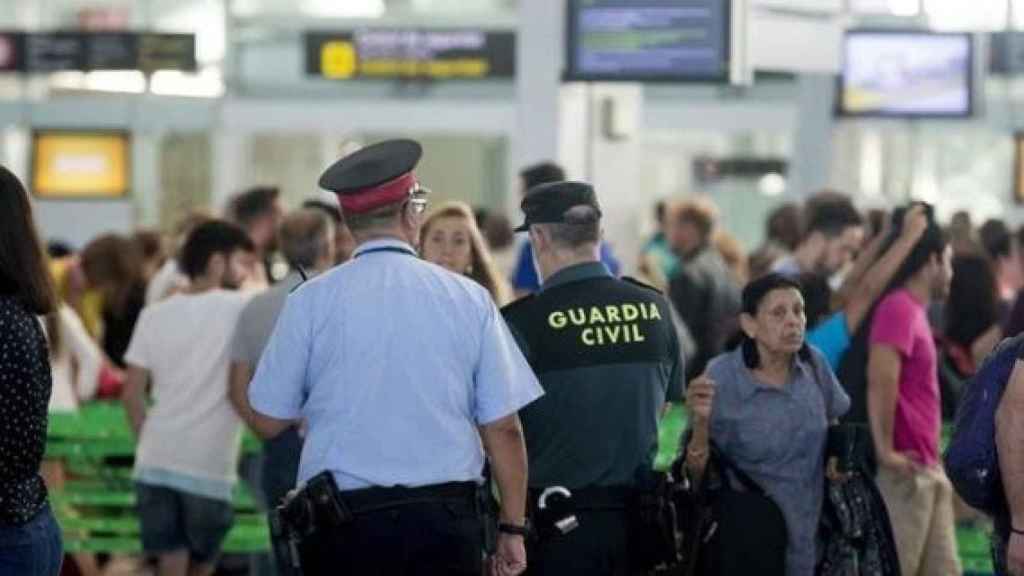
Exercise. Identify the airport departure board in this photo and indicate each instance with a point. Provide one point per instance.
(648, 40)
(397, 54)
(45, 52)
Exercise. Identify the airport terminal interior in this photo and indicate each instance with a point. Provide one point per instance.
(127, 120)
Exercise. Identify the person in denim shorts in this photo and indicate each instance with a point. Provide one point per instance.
(187, 460)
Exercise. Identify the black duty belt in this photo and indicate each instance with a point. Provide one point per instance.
(378, 499)
(594, 498)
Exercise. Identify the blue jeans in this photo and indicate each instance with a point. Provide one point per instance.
(32, 549)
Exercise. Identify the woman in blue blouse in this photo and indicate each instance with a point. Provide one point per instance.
(767, 406)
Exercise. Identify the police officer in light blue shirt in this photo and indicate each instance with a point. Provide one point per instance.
(405, 374)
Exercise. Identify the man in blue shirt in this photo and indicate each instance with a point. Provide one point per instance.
(525, 279)
(405, 374)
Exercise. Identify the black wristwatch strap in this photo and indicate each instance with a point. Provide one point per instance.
(514, 530)
(1013, 529)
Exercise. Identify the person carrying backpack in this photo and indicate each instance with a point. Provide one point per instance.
(985, 457)
(1008, 541)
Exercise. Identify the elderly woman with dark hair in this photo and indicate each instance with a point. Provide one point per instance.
(766, 406)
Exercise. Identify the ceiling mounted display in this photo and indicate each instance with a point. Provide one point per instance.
(45, 52)
(648, 40)
(398, 54)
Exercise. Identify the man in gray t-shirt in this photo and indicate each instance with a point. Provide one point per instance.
(306, 239)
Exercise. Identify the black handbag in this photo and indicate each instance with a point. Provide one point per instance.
(729, 530)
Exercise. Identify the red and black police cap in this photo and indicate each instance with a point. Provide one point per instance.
(374, 176)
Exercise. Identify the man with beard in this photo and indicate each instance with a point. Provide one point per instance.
(188, 441)
(905, 410)
(833, 235)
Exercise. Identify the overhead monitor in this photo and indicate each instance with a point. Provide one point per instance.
(648, 40)
(80, 164)
(1006, 53)
(906, 74)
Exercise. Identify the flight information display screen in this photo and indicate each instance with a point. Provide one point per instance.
(906, 74)
(648, 40)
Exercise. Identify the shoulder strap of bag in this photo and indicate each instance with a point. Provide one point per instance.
(726, 466)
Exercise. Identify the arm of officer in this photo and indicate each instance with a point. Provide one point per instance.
(278, 390)
(504, 443)
(503, 384)
(1010, 442)
(246, 349)
(238, 393)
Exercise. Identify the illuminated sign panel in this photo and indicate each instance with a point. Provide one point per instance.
(389, 54)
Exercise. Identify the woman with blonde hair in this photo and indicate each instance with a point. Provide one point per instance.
(450, 238)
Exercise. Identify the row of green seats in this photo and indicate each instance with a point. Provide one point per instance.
(96, 508)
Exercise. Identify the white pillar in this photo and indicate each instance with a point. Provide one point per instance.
(812, 153)
(539, 58)
(146, 180)
(228, 164)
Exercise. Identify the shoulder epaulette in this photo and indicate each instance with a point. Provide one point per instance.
(643, 285)
(512, 307)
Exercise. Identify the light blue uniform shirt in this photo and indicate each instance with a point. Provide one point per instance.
(393, 362)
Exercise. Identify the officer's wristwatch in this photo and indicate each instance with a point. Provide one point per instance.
(516, 530)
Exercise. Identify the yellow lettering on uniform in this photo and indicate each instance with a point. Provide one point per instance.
(612, 312)
(557, 320)
(655, 315)
(588, 337)
(613, 333)
(637, 336)
(595, 316)
(629, 313)
(578, 317)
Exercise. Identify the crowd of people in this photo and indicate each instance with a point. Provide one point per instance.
(233, 321)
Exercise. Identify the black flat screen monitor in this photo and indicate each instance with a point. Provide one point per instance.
(906, 74)
(648, 40)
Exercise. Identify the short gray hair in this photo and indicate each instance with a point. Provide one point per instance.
(384, 217)
(304, 237)
(581, 228)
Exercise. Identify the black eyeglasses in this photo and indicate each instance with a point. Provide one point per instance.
(418, 198)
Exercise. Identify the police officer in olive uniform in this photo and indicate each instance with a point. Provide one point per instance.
(608, 357)
(405, 374)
